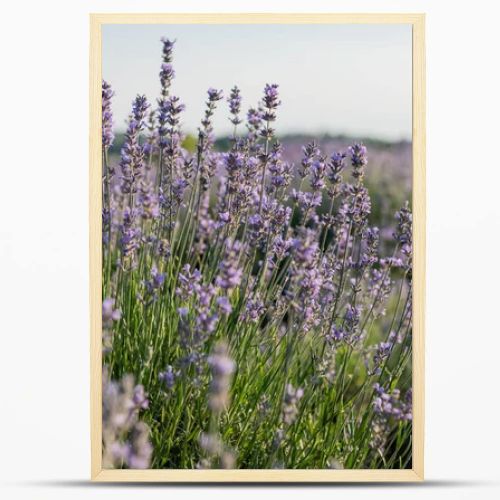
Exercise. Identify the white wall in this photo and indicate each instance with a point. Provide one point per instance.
(44, 445)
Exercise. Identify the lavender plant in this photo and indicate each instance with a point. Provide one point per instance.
(249, 298)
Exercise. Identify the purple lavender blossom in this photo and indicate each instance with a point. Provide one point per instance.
(310, 152)
(381, 353)
(360, 206)
(270, 104)
(254, 310)
(153, 286)
(222, 368)
(335, 169)
(129, 236)
(148, 201)
(351, 323)
(168, 377)
(140, 450)
(254, 119)
(403, 233)
(107, 115)
(291, 401)
(189, 282)
(390, 404)
(281, 247)
(224, 305)
(280, 171)
(318, 170)
(205, 132)
(125, 438)
(214, 94)
(271, 100)
(109, 313)
(229, 273)
(139, 398)
(359, 160)
(234, 101)
(132, 153)
(404, 237)
(139, 109)
(306, 248)
(167, 49)
(169, 110)
(167, 73)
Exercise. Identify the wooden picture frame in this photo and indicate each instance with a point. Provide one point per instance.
(288, 475)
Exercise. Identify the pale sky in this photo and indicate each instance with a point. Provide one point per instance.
(338, 79)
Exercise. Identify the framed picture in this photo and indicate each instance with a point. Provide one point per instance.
(257, 247)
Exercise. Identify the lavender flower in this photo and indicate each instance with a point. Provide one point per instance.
(206, 318)
(139, 110)
(109, 313)
(291, 401)
(359, 160)
(150, 147)
(125, 438)
(107, 115)
(234, 101)
(168, 46)
(387, 406)
(218, 455)
(130, 234)
(222, 368)
(132, 153)
(140, 449)
(168, 377)
(335, 169)
(351, 324)
(280, 171)
(169, 110)
(224, 305)
(254, 119)
(318, 174)
(310, 152)
(229, 273)
(153, 286)
(254, 309)
(205, 132)
(214, 95)
(403, 235)
(270, 104)
(271, 100)
(167, 72)
(189, 282)
(381, 353)
(360, 206)
(148, 201)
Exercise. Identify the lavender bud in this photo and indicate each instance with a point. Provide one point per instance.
(107, 115)
(234, 101)
(167, 377)
(291, 400)
(222, 368)
(109, 313)
(358, 160)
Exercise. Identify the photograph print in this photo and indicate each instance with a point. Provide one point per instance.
(257, 244)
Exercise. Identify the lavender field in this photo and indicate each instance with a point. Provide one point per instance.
(257, 299)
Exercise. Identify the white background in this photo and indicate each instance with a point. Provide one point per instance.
(44, 444)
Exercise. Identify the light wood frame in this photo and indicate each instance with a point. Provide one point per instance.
(290, 475)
